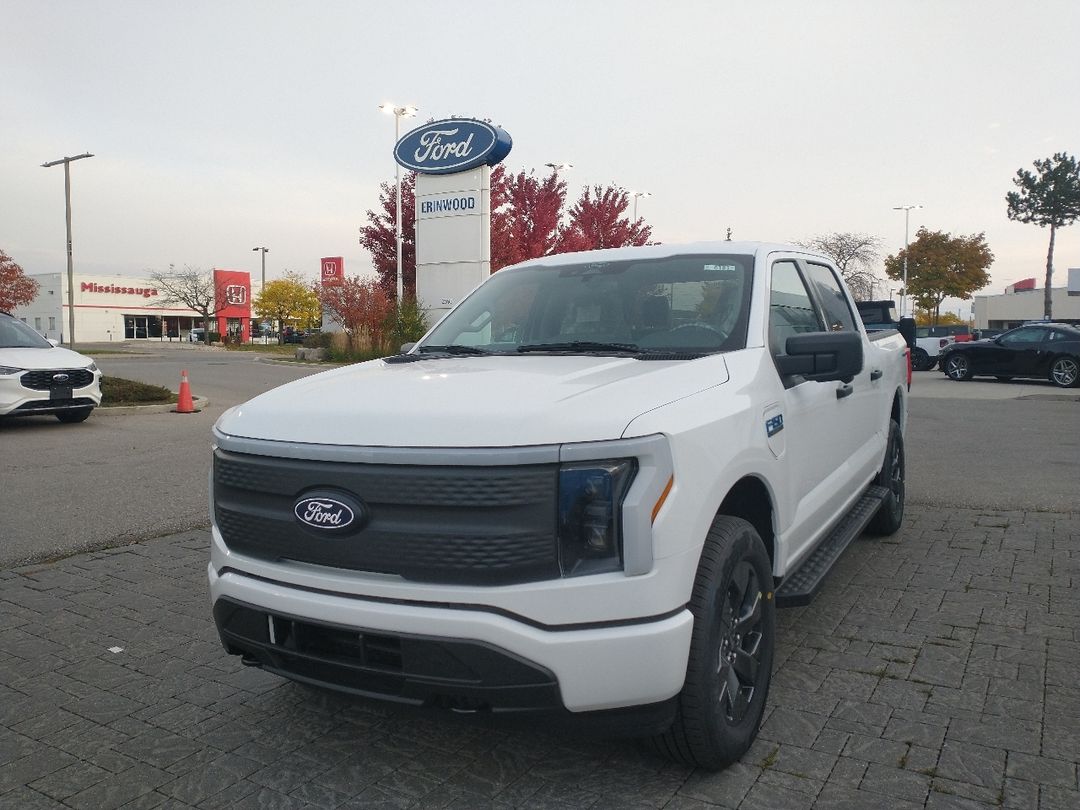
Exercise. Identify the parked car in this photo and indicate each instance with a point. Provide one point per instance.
(38, 377)
(1041, 351)
(292, 335)
(197, 336)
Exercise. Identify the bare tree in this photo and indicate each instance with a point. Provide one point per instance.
(192, 288)
(855, 254)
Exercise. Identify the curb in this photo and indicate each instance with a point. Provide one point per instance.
(165, 407)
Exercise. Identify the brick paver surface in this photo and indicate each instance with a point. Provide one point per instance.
(937, 669)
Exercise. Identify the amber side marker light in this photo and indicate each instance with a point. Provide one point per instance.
(662, 498)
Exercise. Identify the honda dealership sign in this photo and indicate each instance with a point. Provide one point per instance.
(453, 160)
(333, 271)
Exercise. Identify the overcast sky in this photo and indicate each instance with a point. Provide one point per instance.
(221, 126)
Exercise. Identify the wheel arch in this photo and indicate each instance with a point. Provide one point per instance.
(750, 499)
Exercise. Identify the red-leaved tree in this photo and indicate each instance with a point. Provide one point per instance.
(378, 236)
(598, 220)
(362, 307)
(528, 219)
(16, 288)
(525, 216)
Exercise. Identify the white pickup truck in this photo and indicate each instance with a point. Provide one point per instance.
(585, 491)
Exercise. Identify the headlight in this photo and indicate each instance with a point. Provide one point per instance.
(4, 370)
(92, 367)
(590, 515)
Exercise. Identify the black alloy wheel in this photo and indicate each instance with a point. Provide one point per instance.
(731, 650)
(957, 367)
(1065, 371)
(890, 516)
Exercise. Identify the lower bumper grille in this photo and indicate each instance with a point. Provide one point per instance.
(451, 674)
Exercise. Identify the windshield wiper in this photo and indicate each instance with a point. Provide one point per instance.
(580, 346)
(452, 349)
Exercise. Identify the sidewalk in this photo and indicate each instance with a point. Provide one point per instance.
(935, 670)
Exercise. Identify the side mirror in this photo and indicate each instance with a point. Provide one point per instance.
(823, 356)
(407, 347)
(906, 327)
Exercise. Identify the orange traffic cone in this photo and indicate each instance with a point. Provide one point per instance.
(183, 399)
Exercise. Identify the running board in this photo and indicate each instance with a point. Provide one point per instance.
(800, 586)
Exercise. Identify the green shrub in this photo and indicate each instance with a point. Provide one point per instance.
(116, 391)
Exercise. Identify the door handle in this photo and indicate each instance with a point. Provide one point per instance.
(877, 374)
(844, 391)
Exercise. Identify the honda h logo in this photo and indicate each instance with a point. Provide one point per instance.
(236, 294)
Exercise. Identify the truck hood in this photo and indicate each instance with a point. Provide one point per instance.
(38, 359)
(471, 401)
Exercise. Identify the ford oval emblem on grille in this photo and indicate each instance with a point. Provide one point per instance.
(330, 512)
(61, 378)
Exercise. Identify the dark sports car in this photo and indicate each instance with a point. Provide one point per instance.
(1048, 351)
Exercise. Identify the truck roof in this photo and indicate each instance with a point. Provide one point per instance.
(667, 250)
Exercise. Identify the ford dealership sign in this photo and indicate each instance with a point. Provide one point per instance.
(452, 145)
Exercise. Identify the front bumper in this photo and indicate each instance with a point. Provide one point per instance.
(461, 657)
(16, 400)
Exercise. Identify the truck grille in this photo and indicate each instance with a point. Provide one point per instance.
(440, 524)
(43, 380)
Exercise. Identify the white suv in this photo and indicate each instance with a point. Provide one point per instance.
(38, 377)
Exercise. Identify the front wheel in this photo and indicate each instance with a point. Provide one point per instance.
(1064, 372)
(731, 650)
(891, 476)
(957, 367)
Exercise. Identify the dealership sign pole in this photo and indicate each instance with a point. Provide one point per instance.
(453, 160)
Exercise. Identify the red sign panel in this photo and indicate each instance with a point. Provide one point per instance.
(233, 290)
(333, 271)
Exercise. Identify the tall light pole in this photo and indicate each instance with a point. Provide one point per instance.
(638, 195)
(408, 111)
(907, 209)
(67, 206)
(264, 250)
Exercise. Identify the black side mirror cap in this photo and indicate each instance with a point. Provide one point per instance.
(906, 327)
(823, 356)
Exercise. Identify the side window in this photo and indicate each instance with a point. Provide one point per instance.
(1024, 337)
(838, 317)
(791, 310)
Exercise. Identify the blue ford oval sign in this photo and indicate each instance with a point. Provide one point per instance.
(452, 145)
(330, 512)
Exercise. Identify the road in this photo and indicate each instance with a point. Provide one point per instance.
(120, 478)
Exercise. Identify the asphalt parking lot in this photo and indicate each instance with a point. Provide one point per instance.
(935, 670)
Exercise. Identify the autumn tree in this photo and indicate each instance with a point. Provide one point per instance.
(290, 298)
(942, 266)
(378, 235)
(363, 309)
(855, 255)
(1049, 197)
(597, 220)
(192, 288)
(16, 288)
(525, 216)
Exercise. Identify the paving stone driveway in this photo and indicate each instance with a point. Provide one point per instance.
(936, 670)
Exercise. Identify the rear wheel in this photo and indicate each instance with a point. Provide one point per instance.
(1065, 372)
(920, 360)
(77, 415)
(957, 367)
(891, 476)
(731, 650)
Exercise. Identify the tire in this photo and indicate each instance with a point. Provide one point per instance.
(920, 360)
(73, 416)
(1065, 371)
(891, 476)
(730, 663)
(956, 367)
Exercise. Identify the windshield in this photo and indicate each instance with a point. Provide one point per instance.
(684, 304)
(14, 334)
